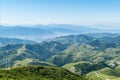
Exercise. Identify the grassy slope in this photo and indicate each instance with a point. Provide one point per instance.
(104, 74)
(78, 70)
(38, 73)
(30, 61)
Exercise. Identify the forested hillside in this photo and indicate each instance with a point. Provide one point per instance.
(80, 54)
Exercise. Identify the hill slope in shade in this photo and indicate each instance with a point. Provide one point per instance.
(5, 41)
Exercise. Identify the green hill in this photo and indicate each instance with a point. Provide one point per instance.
(80, 54)
(38, 73)
(105, 74)
(30, 61)
(82, 67)
(20, 52)
(85, 52)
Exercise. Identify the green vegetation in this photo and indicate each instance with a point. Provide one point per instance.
(38, 73)
(83, 55)
(104, 74)
(30, 61)
(82, 68)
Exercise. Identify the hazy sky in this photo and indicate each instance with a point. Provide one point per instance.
(83, 12)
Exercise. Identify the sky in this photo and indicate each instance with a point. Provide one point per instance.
(82, 12)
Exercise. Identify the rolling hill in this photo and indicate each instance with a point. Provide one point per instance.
(80, 54)
(105, 74)
(38, 73)
(66, 49)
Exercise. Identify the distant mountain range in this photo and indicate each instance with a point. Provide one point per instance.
(43, 32)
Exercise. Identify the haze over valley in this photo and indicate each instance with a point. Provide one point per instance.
(43, 32)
